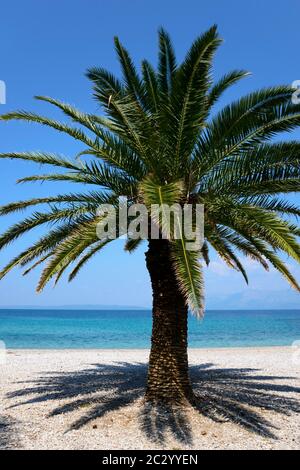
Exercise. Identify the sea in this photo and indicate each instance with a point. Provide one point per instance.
(124, 329)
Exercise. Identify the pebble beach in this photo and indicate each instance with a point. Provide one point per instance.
(247, 398)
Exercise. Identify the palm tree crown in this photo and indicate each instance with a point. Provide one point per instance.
(158, 142)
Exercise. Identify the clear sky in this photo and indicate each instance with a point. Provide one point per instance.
(46, 46)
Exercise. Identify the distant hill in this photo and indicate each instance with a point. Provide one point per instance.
(255, 299)
(248, 299)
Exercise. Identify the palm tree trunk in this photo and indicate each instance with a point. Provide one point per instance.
(168, 376)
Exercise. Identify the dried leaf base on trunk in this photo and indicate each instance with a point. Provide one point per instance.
(168, 374)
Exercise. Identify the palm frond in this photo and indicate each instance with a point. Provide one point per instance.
(132, 244)
(160, 200)
(40, 218)
(74, 132)
(92, 122)
(225, 82)
(205, 253)
(189, 102)
(42, 246)
(131, 78)
(92, 200)
(224, 250)
(68, 250)
(275, 260)
(246, 123)
(45, 159)
(189, 275)
(166, 63)
(87, 256)
(151, 86)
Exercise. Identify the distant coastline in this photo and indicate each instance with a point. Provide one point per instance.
(100, 308)
(73, 307)
(247, 299)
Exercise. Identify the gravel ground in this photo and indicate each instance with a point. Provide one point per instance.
(92, 399)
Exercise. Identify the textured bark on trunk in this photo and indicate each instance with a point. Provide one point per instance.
(168, 375)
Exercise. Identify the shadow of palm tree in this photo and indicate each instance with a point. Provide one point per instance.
(236, 395)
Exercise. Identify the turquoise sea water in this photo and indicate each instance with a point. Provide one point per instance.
(132, 328)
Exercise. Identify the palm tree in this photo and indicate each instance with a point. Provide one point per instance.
(158, 143)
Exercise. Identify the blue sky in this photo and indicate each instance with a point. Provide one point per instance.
(46, 46)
